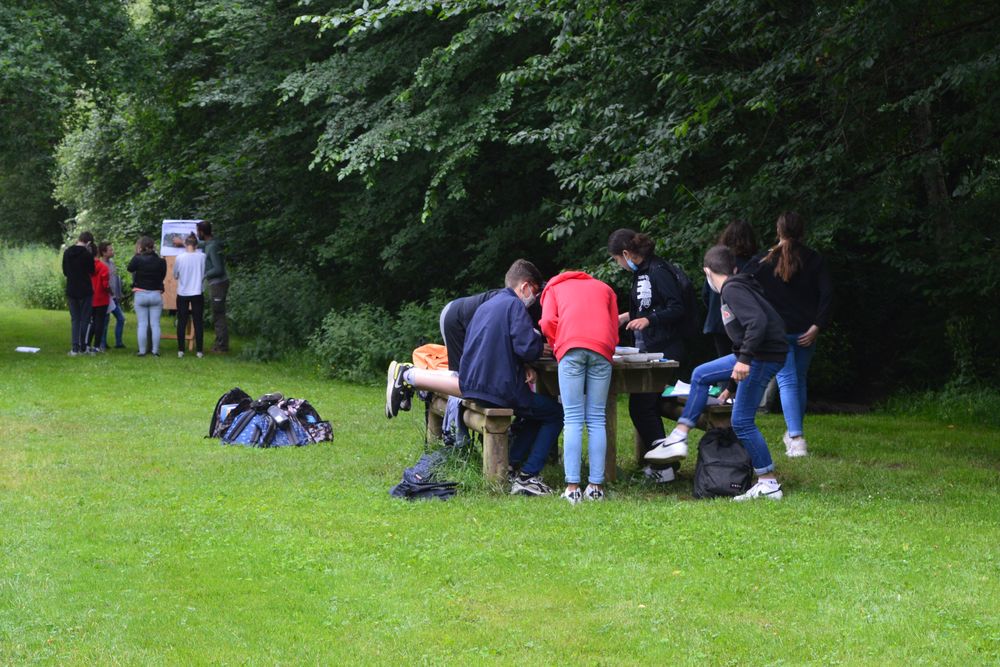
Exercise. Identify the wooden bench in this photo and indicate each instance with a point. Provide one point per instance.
(492, 423)
(713, 416)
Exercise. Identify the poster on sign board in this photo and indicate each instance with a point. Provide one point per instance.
(173, 234)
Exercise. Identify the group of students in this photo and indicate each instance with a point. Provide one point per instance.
(94, 290)
(771, 307)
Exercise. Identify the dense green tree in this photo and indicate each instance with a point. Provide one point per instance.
(418, 145)
(52, 54)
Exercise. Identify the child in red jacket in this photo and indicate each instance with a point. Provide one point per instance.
(101, 284)
(580, 321)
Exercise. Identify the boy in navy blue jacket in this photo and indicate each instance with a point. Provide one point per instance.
(500, 340)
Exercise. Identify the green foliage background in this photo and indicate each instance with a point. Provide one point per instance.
(383, 150)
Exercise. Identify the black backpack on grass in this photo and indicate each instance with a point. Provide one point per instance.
(723, 468)
(227, 409)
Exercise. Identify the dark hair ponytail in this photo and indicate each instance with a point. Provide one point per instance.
(640, 245)
(786, 256)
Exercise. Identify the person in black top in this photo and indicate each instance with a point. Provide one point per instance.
(759, 349)
(655, 316)
(78, 267)
(148, 271)
(797, 283)
(739, 237)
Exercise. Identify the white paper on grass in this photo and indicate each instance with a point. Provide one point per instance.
(30, 350)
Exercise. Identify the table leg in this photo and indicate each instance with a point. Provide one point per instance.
(611, 430)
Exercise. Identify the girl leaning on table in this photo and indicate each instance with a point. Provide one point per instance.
(655, 318)
(759, 349)
(580, 322)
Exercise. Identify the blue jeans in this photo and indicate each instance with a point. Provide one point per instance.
(792, 383)
(148, 307)
(584, 380)
(748, 395)
(537, 434)
(119, 325)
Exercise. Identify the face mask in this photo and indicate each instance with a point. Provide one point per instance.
(530, 301)
(632, 265)
(711, 285)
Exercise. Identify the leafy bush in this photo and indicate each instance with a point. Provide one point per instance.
(358, 344)
(276, 305)
(32, 277)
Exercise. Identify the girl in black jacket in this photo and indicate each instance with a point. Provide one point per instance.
(759, 348)
(148, 271)
(797, 283)
(655, 317)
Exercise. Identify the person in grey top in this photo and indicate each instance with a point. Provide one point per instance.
(106, 251)
(218, 283)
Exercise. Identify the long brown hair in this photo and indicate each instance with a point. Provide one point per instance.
(786, 256)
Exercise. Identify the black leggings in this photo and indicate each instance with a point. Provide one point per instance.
(197, 305)
(95, 329)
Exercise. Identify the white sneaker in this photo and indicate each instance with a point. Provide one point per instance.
(594, 492)
(664, 476)
(575, 496)
(794, 447)
(667, 450)
(180, 355)
(769, 490)
(200, 355)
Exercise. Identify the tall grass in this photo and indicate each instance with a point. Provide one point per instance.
(32, 277)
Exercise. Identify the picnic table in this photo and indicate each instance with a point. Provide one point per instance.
(626, 377)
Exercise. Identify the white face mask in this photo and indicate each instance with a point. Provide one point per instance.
(711, 283)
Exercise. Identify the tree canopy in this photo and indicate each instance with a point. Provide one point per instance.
(383, 150)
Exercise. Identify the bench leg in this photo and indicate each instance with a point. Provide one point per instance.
(495, 453)
(434, 426)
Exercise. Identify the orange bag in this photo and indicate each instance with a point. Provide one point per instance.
(431, 356)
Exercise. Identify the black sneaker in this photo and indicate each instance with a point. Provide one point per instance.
(529, 486)
(398, 394)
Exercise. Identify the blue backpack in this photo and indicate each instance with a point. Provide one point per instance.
(267, 422)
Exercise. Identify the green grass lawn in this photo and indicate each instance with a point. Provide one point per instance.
(128, 538)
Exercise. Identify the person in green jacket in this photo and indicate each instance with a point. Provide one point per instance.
(218, 283)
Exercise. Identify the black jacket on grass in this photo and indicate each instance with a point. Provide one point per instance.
(754, 326)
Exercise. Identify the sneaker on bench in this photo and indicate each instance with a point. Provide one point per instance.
(398, 394)
(667, 450)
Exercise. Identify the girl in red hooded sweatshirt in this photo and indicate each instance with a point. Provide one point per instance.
(101, 283)
(580, 322)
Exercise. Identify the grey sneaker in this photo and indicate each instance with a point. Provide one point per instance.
(397, 393)
(529, 486)
(659, 476)
(769, 490)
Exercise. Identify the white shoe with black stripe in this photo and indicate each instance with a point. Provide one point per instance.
(769, 489)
